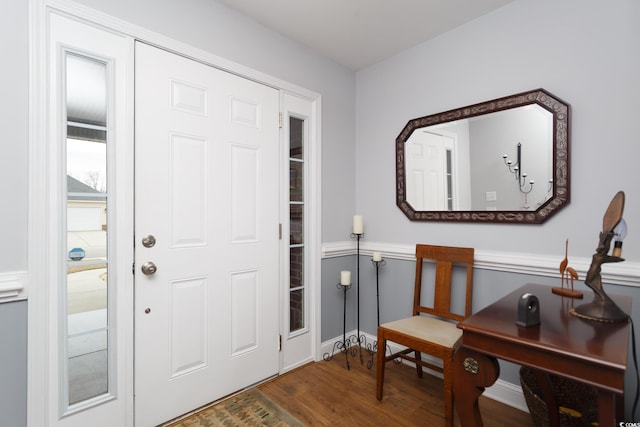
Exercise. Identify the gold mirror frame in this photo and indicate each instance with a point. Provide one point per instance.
(561, 189)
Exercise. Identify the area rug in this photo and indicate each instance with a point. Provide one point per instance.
(249, 408)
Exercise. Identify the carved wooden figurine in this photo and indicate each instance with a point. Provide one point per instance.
(602, 308)
(567, 273)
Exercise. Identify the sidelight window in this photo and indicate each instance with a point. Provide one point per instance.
(297, 285)
(87, 284)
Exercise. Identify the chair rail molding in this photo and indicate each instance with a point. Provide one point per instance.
(624, 273)
(13, 286)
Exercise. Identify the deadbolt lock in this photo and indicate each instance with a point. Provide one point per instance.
(148, 241)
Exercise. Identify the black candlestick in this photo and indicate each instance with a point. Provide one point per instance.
(342, 346)
(377, 265)
(360, 339)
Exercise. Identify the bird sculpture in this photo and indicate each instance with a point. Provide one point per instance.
(573, 275)
(564, 262)
(567, 273)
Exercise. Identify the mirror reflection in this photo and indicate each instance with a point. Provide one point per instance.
(499, 161)
(504, 160)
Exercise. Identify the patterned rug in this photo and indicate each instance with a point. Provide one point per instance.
(249, 408)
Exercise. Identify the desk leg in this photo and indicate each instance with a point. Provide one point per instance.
(472, 373)
(608, 405)
(549, 397)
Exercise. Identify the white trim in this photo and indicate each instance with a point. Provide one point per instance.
(501, 391)
(294, 105)
(315, 225)
(13, 286)
(625, 273)
(38, 268)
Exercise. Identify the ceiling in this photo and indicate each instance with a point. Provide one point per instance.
(359, 33)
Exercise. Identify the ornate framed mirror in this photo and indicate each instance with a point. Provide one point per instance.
(504, 161)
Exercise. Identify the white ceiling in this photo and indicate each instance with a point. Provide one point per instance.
(359, 33)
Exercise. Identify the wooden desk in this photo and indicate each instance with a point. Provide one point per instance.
(563, 344)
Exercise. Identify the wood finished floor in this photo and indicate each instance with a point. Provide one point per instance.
(326, 394)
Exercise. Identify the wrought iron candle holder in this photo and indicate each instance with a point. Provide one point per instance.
(378, 264)
(360, 339)
(344, 345)
(373, 348)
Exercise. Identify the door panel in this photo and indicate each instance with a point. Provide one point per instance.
(207, 190)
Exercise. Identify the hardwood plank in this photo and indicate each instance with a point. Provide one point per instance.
(326, 394)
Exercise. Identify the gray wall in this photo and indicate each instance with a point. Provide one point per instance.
(13, 224)
(14, 109)
(584, 52)
(13, 363)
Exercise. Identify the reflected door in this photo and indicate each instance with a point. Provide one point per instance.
(207, 309)
(429, 172)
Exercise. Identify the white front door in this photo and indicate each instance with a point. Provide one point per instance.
(207, 190)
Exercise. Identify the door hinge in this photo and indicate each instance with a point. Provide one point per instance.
(133, 268)
(280, 124)
(279, 342)
(279, 231)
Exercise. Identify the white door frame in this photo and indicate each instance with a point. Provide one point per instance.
(41, 231)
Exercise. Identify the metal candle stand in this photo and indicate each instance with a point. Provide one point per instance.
(359, 339)
(378, 264)
(372, 349)
(344, 345)
(354, 343)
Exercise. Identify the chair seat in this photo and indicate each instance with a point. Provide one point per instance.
(427, 328)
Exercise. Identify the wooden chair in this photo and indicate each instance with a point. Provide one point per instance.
(430, 330)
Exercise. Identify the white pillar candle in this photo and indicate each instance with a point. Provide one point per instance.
(345, 278)
(377, 256)
(358, 224)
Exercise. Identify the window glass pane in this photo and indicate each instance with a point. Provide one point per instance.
(296, 143)
(296, 310)
(296, 181)
(87, 284)
(296, 267)
(296, 214)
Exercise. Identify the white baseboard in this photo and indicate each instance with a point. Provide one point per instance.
(501, 391)
(296, 365)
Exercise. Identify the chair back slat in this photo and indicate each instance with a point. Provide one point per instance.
(445, 258)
